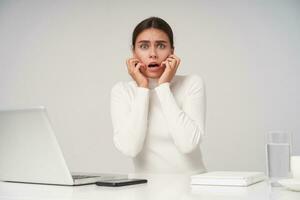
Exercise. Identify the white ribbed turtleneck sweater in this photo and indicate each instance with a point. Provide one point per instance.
(160, 127)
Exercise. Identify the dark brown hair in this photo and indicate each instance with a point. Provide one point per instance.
(153, 22)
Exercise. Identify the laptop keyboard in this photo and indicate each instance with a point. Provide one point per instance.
(82, 176)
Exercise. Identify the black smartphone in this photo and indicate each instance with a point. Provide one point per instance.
(120, 182)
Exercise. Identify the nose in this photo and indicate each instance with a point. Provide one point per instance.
(152, 53)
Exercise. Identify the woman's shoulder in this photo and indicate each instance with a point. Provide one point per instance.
(188, 80)
(124, 86)
(189, 84)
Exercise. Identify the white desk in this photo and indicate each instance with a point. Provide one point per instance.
(159, 187)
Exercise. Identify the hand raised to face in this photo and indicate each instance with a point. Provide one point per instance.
(135, 69)
(171, 63)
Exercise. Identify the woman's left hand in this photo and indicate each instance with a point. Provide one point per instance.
(171, 63)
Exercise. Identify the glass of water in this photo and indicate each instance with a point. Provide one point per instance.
(278, 149)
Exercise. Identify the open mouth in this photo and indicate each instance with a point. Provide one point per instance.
(153, 65)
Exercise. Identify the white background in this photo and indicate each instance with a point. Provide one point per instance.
(66, 55)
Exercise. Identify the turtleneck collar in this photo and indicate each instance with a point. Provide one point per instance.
(153, 83)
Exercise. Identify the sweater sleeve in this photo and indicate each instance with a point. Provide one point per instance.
(186, 124)
(129, 118)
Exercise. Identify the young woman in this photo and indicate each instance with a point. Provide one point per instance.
(159, 117)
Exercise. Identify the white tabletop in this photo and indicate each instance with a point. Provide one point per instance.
(175, 187)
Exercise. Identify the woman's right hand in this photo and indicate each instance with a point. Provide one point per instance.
(135, 68)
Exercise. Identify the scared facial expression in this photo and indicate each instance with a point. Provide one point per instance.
(152, 47)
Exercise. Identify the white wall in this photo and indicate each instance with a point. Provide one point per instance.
(66, 55)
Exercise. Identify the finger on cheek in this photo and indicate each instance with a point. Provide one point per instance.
(168, 65)
(137, 66)
(173, 61)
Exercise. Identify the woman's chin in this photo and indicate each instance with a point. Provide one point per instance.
(154, 75)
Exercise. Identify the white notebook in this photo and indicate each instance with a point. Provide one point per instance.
(227, 178)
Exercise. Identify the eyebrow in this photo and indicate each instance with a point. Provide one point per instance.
(157, 41)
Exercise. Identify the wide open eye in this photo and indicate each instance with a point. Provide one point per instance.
(144, 46)
(161, 46)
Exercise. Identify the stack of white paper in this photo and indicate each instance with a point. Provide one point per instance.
(227, 178)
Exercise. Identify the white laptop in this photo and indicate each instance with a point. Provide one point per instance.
(30, 153)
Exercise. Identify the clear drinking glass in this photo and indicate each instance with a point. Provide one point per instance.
(278, 149)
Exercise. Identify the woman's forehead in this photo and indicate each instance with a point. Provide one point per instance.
(152, 35)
